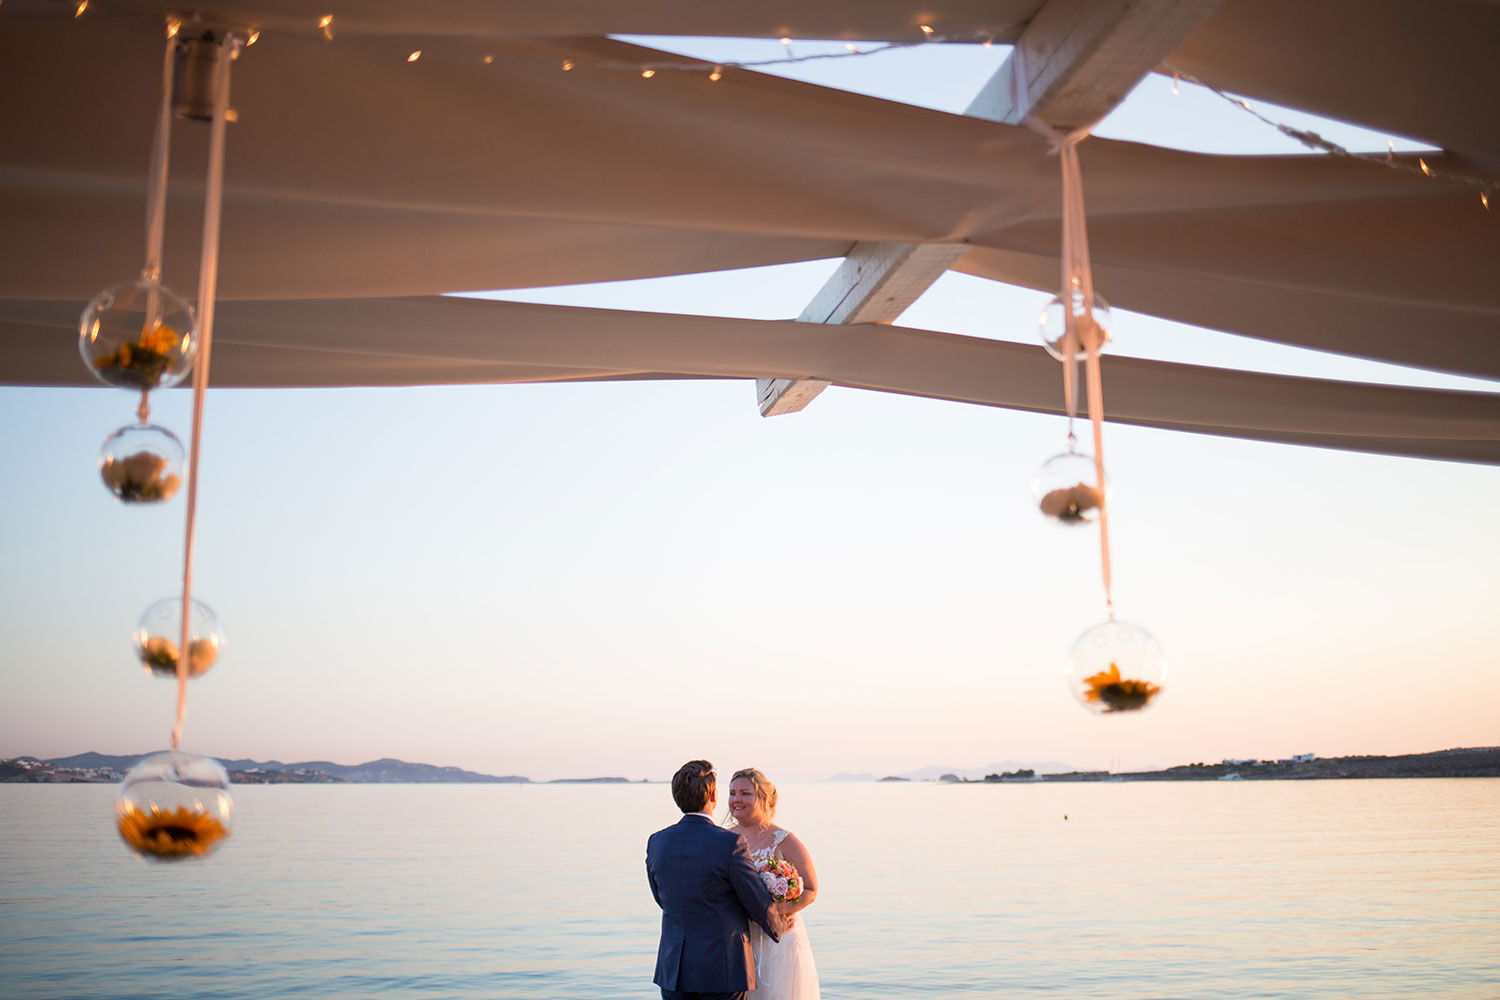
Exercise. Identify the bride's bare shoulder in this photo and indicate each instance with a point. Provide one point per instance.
(790, 839)
(792, 848)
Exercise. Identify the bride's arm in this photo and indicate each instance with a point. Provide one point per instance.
(794, 851)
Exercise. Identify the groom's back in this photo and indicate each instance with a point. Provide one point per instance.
(704, 944)
(689, 863)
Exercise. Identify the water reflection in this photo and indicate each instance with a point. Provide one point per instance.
(1333, 889)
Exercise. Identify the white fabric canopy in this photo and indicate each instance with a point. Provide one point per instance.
(354, 174)
(342, 342)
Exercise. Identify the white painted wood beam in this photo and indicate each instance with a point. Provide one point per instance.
(874, 284)
(1080, 58)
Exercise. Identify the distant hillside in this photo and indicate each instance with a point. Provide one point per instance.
(932, 772)
(387, 770)
(1460, 762)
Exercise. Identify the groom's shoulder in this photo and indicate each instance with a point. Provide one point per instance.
(697, 831)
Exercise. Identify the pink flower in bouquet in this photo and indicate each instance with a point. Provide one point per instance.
(781, 878)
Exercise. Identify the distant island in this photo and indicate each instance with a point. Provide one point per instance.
(1462, 762)
(98, 767)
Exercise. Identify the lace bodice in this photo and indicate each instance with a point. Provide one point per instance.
(767, 852)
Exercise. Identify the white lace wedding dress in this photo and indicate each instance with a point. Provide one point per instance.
(784, 970)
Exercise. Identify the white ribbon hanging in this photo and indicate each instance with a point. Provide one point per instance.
(1077, 278)
(156, 204)
(156, 185)
(208, 282)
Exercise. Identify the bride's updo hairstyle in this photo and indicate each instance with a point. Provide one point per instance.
(765, 792)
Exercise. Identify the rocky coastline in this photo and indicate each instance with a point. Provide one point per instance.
(1460, 762)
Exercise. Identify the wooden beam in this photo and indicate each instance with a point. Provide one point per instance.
(1080, 58)
(874, 284)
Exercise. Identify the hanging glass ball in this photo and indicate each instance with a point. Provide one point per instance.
(1116, 667)
(141, 463)
(173, 806)
(160, 631)
(1066, 488)
(138, 335)
(1089, 332)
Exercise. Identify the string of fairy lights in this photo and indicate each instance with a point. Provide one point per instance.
(1312, 140)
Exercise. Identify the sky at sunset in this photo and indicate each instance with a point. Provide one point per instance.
(576, 580)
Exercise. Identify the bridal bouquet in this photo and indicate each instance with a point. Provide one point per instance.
(781, 878)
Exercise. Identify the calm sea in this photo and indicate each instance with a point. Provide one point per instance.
(1336, 889)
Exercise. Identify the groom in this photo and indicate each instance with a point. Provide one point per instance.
(708, 892)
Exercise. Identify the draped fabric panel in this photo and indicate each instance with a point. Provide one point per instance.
(362, 342)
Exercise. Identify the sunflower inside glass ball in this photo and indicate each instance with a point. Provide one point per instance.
(1066, 488)
(1070, 504)
(159, 634)
(138, 335)
(174, 806)
(1116, 693)
(141, 463)
(1116, 667)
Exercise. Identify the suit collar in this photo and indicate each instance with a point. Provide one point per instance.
(695, 817)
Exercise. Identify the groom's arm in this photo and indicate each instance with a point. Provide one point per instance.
(651, 876)
(752, 892)
(655, 892)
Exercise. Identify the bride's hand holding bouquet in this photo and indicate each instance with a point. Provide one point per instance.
(781, 879)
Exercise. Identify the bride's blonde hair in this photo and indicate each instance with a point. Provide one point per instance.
(765, 792)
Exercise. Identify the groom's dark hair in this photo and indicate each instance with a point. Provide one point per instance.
(693, 785)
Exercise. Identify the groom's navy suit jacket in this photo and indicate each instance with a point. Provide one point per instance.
(708, 891)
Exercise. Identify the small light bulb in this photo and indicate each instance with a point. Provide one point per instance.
(648, 73)
(851, 46)
(567, 64)
(1425, 168)
(254, 37)
(173, 27)
(1175, 91)
(414, 56)
(987, 42)
(1484, 199)
(83, 5)
(488, 60)
(1246, 105)
(786, 41)
(926, 29)
(717, 74)
(325, 20)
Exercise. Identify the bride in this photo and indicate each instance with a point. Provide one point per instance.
(784, 970)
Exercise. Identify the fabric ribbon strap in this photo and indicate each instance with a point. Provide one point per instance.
(1077, 279)
(208, 282)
